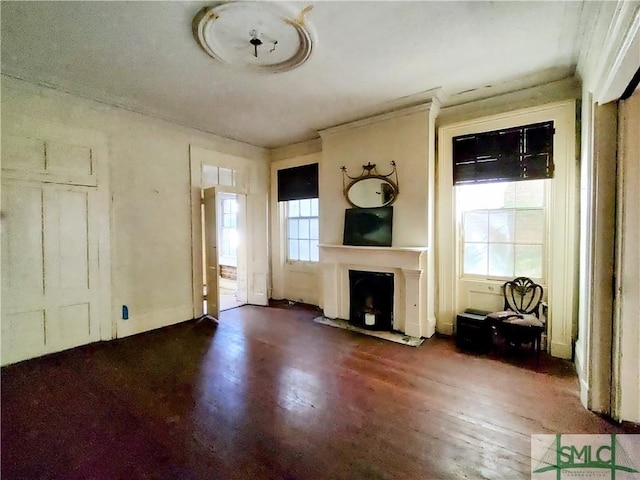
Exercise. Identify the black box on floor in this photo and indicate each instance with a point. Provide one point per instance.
(473, 331)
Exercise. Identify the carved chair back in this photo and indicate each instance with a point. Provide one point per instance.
(522, 295)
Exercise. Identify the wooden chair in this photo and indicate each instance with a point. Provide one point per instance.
(522, 322)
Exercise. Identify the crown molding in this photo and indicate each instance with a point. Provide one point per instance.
(424, 106)
(556, 91)
(620, 58)
(610, 48)
(296, 149)
(591, 15)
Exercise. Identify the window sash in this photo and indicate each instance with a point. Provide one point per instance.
(228, 228)
(513, 245)
(302, 224)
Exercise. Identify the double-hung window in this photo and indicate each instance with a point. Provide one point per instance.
(302, 230)
(503, 229)
(298, 190)
(501, 180)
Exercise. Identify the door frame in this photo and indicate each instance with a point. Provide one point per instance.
(196, 164)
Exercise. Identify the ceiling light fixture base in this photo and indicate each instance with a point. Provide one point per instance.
(255, 36)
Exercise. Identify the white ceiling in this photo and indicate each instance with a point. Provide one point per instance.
(143, 56)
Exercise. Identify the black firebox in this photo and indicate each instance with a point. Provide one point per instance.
(371, 299)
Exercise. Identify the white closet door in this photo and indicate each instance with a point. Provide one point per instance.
(50, 291)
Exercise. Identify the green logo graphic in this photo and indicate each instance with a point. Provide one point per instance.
(609, 456)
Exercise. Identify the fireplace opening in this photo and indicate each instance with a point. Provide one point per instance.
(371, 299)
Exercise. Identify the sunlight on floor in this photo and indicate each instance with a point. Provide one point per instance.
(228, 294)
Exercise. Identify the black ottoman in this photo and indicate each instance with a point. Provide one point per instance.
(474, 331)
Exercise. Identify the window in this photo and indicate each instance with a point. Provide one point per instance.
(213, 175)
(302, 230)
(503, 229)
(229, 233)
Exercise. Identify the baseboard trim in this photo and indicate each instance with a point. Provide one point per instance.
(444, 328)
(153, 320)
(561, 350)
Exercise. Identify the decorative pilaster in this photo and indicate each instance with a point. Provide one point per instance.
(331, 290)
(413, 324)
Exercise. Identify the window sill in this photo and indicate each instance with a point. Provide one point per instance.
(496, 280)
(301, 265)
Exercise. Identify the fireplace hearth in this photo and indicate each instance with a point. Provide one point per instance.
(371, 299)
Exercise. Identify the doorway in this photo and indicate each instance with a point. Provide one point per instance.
(228, 242)
(224, 277)
(227, 173)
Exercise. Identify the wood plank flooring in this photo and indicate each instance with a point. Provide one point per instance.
(269, 394)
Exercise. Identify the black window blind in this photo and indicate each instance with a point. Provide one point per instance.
(509, 155)
(298, 183)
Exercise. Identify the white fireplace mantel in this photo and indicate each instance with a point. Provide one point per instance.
(408, 264)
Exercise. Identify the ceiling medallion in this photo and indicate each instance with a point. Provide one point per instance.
(257, 36)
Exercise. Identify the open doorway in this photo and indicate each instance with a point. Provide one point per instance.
(227, 173)
(228, 241)
(223, 246)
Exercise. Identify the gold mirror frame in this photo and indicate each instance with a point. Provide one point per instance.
(382, 185)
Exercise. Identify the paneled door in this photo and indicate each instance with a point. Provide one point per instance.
(50, 282)
(211, 251)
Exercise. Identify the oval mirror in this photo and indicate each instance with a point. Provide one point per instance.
(371, 191)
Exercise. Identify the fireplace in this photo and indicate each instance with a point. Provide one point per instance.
(371, 299)
(406, 268)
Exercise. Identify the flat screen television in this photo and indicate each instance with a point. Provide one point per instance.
(368, 227)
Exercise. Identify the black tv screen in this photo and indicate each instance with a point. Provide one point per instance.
(368, 227)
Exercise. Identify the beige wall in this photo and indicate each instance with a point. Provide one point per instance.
(406, 137)
(150, 184)
(403, 138)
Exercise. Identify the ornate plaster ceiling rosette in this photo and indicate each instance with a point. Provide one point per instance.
(256, 36)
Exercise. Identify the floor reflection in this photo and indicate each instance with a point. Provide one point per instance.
(300, 392)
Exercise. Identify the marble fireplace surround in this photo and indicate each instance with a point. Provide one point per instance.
(408, 265)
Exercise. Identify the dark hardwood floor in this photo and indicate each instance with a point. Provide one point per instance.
(269, 394)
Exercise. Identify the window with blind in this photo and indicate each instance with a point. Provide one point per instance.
(298, 187)
(507, 155)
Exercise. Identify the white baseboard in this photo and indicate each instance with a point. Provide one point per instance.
(444, 328)
(431, 327)
(561, 350)
(582, 376)
(153, 320)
